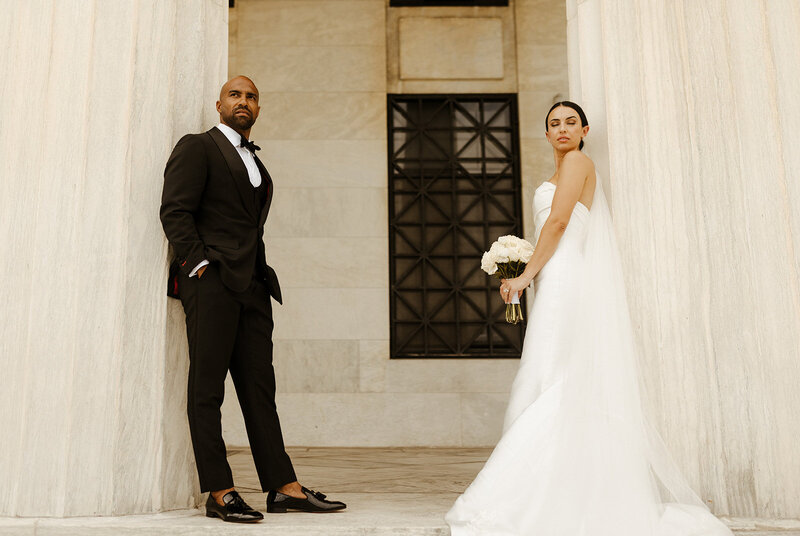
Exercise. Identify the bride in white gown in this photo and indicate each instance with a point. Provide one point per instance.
(577, 457)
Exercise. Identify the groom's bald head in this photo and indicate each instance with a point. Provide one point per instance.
(238, 104)
(236, 81)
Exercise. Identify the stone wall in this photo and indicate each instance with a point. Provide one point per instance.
(324, 68)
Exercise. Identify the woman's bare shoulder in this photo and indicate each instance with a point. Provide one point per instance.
(578, 159)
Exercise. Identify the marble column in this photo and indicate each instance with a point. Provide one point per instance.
(586, 80)
(700, 100)
(94, 96)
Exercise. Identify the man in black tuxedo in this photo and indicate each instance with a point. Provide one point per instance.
(215, 201)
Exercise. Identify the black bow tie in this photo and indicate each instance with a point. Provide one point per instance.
(247, 144)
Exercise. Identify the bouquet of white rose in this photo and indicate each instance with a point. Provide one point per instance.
(506, 259)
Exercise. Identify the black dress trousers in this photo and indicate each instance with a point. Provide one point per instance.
(230, 330)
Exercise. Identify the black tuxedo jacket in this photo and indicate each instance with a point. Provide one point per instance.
(208, 210)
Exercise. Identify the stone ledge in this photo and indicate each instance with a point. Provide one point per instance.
(387, 491)
(364, 518)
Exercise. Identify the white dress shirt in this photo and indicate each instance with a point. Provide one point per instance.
(249, 162)
(247, 157)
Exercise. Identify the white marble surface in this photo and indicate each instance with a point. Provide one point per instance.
(700, 99)
(86, 331)
(587, 82)
(389, 492)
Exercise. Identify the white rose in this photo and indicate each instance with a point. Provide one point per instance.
(524, 251)
(507, 240)
(488, 263)
(501, 253)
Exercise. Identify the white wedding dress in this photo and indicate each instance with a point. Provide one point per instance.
(577, 457)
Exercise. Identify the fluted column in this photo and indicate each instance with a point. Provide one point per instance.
(701, 107)
(587, 82)
(94, 95)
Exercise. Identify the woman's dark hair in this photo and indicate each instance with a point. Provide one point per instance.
(568, 104)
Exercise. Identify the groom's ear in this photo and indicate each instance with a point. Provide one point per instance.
(219, 104)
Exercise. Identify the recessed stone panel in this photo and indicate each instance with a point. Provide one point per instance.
(450, 48)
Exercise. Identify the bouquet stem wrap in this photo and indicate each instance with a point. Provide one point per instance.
(509, 270)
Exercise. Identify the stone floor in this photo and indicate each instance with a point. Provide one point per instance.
(389, 491)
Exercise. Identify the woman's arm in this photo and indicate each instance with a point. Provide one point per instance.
(572, 175)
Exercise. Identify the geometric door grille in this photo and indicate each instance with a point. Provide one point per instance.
(454, 187)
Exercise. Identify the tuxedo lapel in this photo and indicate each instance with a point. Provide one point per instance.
(268, 183)
(238, 170)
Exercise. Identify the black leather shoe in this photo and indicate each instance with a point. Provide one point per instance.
(278, 503)
(235, 509)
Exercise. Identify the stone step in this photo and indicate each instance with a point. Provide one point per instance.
(367, 515)
(388, 491)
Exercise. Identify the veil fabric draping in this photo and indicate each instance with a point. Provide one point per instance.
(577, 456)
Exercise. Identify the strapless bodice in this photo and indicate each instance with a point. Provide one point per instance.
(575, 234)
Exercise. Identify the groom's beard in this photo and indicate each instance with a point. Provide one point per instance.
(238, 121)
